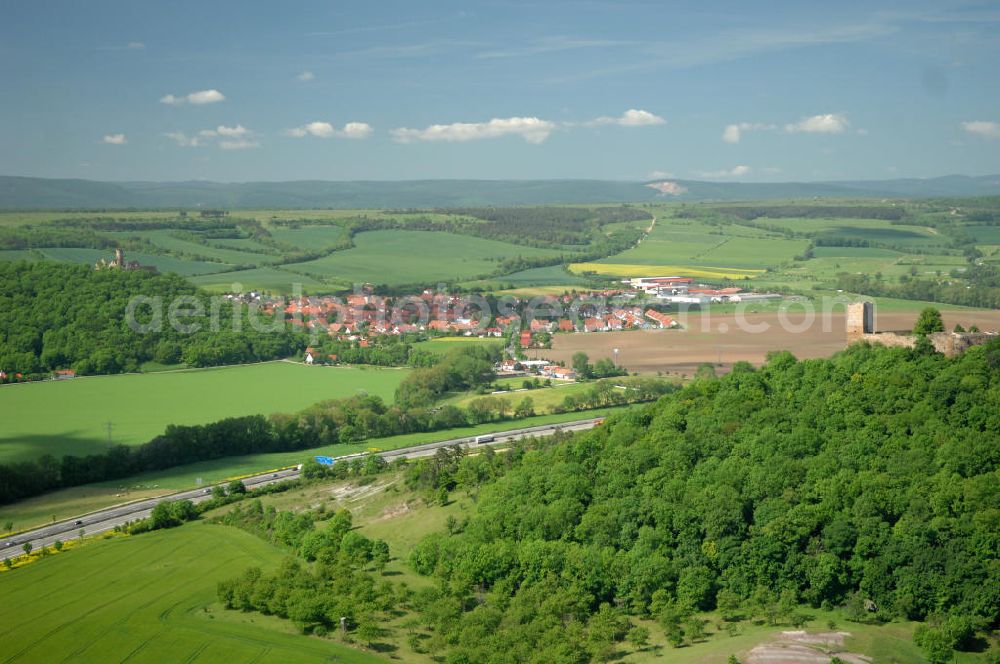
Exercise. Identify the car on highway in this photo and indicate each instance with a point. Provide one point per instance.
(274, 474)
(79, 522)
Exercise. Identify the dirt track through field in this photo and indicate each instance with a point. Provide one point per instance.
(724, 339)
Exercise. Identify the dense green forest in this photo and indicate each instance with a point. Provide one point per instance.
(72, 316)
(870, 481)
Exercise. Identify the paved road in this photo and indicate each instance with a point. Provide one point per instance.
(107, 519)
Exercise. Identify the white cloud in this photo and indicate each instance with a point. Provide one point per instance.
(306, 76)
(238, 144)
(733, 133)
(321, 129)
(828, 123)
(533, 130)
(232, 132)
(633, 117)
(356, 130)
(984, 128)
(206, 97)
(115, 139)
(227, 138)
(659, 175)
(735, 172)
(135, 46)
(199, 97)
(639, 118)
(554, 44)
(183, 139)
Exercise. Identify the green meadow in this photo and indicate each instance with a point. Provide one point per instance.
(71, 417)
(149, 598)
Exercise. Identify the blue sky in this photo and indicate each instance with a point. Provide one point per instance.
(733, 91)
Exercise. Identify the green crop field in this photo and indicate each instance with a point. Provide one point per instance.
(19, 255)
(854, 252)
(71, 417)
(531, 282)
(245, 244)
(149, 598)
(311, 236)
(985, 234)
(270, 279)
(680, 242)
(397, 256)
(166, 240)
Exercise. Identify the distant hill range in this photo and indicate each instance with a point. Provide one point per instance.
(23, 193)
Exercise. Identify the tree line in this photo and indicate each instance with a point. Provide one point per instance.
(978, 286)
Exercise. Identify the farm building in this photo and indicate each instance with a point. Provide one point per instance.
(660, 320)
(558, 372)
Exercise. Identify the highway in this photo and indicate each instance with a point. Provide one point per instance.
(106, 519)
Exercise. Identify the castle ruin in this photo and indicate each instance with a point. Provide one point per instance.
(861, 327)
(119, 263)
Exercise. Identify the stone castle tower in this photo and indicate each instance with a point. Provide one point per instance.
(860, 320)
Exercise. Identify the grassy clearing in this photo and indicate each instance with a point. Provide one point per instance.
(149, 598)
(70, 417)
(398, 257)
(442, 345)
(544, 398)
(885, 643)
